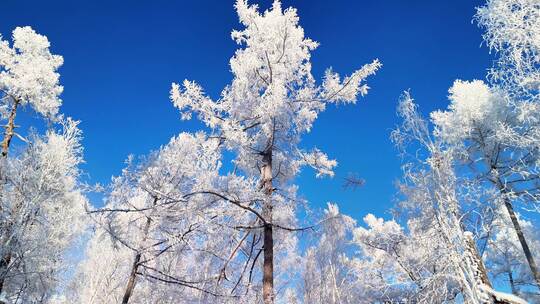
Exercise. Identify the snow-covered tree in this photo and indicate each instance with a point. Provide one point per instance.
(505, 257)
(401, 265)
(27, 77)
(430, 259)
(512, 29)
(435, 220)
(185, 229)
(489, 135)
(41, 206)
(42, 214)
(272, 100)
(149, 222)
(328, 274)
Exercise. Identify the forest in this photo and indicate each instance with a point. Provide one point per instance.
(217, 216)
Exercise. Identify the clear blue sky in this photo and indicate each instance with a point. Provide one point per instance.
(121, 57)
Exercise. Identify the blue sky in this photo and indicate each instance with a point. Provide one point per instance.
(122, 56)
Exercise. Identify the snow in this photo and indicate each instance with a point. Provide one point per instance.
(503, 297)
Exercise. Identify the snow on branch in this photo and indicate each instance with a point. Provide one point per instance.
(28, 71)
(346, 90)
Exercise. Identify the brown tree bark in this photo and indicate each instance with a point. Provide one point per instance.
(8, 135)
(268, 238)
(132, 278)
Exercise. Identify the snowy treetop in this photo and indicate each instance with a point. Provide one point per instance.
(273, 97)
(28, 72)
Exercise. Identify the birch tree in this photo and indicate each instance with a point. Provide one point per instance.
(272, 100)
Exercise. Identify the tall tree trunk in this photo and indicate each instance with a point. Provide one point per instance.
(268, 263)
(8, 135)
(517, 227)
(132, 278)
(136, 261)
(523, 241)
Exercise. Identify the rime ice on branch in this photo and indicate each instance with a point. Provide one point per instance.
(272, 100)
(41, 206)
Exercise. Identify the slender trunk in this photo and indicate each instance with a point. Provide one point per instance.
(519, 232)
(132, 278)
(8, 135)
(268, 263)
(523, 241)
(136, 262)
